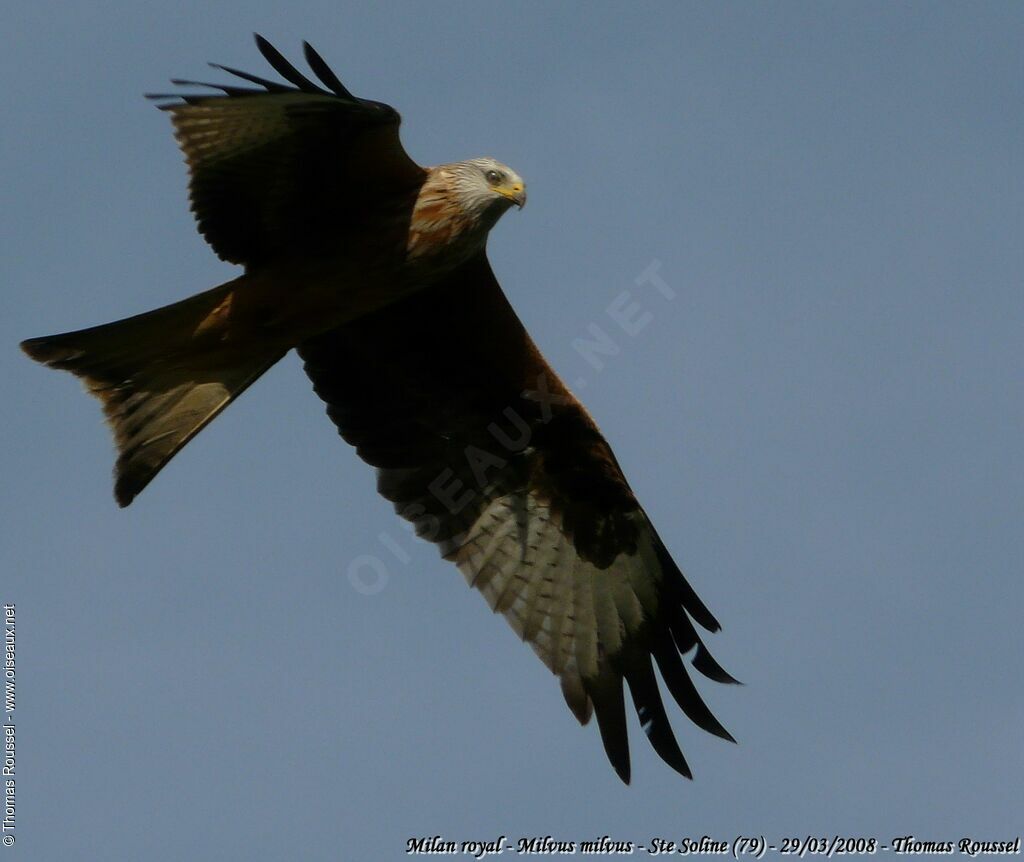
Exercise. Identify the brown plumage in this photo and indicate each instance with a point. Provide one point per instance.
(374, 269)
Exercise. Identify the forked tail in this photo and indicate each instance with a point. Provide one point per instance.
(161, 377)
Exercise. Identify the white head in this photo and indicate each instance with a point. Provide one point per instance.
(487, 188)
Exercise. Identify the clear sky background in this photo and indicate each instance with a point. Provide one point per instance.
(825, 423)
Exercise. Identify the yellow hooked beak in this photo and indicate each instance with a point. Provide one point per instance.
(515, 192)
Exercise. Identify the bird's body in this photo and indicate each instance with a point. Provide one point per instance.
(408, 245)
(374, 269)
(405, 244)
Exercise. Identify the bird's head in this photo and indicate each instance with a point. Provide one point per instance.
(487, 187)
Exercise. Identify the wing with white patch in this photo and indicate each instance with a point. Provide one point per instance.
(480, 445)
(594, 626)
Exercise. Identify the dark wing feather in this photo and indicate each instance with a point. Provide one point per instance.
(270, 86)
(649, 708)
(479, 444)
(285, 69)
(324, 72)
(288, 170)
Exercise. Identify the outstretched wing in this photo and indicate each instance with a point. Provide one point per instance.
(479, 444)
(279, 169)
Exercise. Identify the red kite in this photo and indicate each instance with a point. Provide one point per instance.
(374, 269)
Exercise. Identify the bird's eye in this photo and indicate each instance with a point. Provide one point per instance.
(493, 176)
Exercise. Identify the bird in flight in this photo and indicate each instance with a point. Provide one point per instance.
(375, 270)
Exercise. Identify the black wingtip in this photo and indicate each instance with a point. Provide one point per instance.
(126, 489)
(704, 662)
(324, 72)
(651, 711)
(281, 65)
(270, 86)
(610, 710)
(682, 689)
(55, 351)
(679, 588)
(285, 69)
(32, 348)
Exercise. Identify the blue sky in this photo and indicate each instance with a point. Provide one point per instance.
(824, 423)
